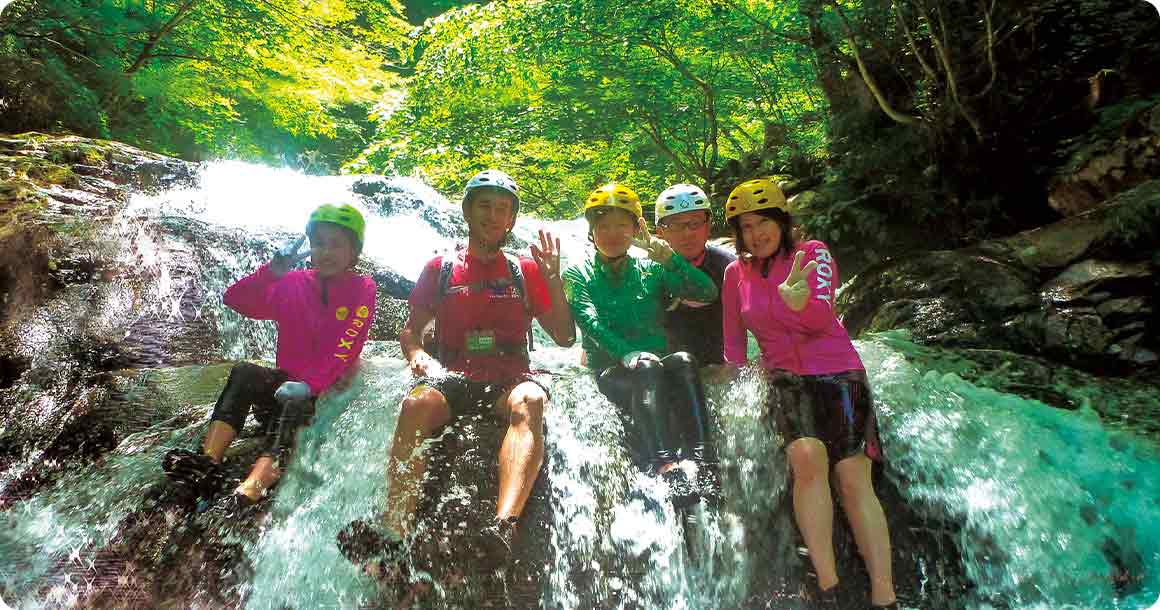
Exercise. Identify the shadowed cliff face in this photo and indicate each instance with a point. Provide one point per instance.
(116, 345)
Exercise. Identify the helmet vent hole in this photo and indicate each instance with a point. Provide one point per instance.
(758, 191)
(734, 197)
(483, 178)
(762, 200)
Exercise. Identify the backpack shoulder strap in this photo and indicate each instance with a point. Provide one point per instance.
(517, 272)
(445, 267)
(518, 281)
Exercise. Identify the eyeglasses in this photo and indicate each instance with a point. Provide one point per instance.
(688, 225)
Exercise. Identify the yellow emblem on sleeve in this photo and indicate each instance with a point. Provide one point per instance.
(363, 311)
(342, 313)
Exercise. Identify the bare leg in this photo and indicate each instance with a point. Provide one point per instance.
(522, 451)
(217, 439)
(423, 412)
(812, 506)
(864, 512)
(263, 475)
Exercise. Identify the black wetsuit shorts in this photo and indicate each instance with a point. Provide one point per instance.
(837, 409)
(467, 397)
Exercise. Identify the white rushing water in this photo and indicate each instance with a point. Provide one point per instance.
(1046, 501)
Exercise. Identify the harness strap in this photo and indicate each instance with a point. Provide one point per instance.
(446, 266)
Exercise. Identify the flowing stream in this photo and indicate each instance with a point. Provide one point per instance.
(1038, 507)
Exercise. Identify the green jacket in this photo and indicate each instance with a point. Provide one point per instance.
(623, 312)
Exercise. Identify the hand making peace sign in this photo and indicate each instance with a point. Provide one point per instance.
(287, 256)
(795, 290)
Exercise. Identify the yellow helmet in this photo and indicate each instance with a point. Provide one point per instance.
(613, 195)
(753, 195)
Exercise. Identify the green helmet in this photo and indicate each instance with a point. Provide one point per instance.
(345, 216)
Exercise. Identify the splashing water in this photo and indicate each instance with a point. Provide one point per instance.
(1052, 509)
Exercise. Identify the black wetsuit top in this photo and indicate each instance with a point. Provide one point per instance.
(698, 330)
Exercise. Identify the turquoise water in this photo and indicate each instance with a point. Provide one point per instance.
(1048, 508)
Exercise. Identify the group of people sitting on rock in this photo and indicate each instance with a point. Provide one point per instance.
(648, 325)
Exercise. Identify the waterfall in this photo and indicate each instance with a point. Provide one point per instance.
(1033, 507)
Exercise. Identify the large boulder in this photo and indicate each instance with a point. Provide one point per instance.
(1072, 291)
(1103, 164)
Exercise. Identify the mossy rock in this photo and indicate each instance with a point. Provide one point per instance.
(46, 173)
(79, 153)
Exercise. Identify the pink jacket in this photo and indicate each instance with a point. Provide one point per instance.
(807, 342)
(321, 326)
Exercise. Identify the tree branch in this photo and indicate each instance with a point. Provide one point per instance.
(869, 79)
(156, 37)
(952, 79)
(926, 68)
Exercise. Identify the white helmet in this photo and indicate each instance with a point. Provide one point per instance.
(494, 178)
(680, 198)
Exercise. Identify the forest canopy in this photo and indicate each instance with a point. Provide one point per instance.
(900, 113)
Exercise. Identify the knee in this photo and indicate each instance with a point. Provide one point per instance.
(243, 371)
(424, 409)
(681, 361)
(527, 409)
(292, 391)
(648, 371)
(808, 459)
(854, 485)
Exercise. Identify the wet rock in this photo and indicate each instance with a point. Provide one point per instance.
(937, 291)
(390, 196)
(1055, 245)
(1094, 281)
(1075, 291)
(390, 285)
(1076, 330)
(1102, 167)
(459, 502)
(390, 316)
(387, 194)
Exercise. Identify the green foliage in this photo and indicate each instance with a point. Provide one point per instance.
(196, 78)
(1136, 216)
(569, 94)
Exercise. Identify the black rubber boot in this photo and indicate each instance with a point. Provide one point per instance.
(381, 554)
(238, 507)
(683, 490)
(196, 472)
(498, 540)
(827, 599)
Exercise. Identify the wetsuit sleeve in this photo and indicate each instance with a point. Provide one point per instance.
(823, 281)
(349, 338)
(254, 295)
(536, 287)
(584, 311)
(683, 280)
(425, 294)
(733, 330)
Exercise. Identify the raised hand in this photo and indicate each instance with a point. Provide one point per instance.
(657, 248)
(287, 256)
(795, 290)
(547, 256)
